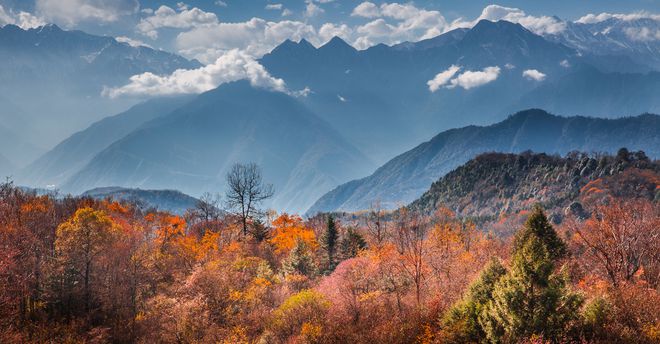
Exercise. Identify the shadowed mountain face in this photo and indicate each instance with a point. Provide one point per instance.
(193, 147)
(407, 176)
(72, 154)
(495, 184)
(56, 77)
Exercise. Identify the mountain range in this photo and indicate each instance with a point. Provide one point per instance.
(363, 108)
(54, 79)
(380, 100)
(194, 146)
(407, 176)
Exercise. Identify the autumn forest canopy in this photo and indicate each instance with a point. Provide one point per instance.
(76, 269)
(329, 172)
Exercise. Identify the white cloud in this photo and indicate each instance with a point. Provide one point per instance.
(533, 74)
(642, 34)
(366, 10)
(565, 64)
(232, 66)
(24, 20)
(509, 66)
(255, 37)
(166, 17)
(396, 23)
(540, 25)
(274, 7)
(466, 80)
(132, 42)
(220, 3)
(286, 12)
(312, 9)
(442, 78)
(329, 30)
(341, 99)
(597, 18)
(472, 79)
(71, 12)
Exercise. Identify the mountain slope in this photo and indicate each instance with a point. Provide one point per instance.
(379, 97)
(193, 147)
(408, 175)
(590, 92)
(72, 154)
(631, 37)
(496, 183)
(165, 200)
(56, 77)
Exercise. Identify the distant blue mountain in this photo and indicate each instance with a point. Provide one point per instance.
(379, 98)
(193, 147)
(614, 36)
(72, 154)
(56, 78)
(404, 178)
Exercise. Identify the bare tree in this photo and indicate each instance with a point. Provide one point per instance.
(376, 223)
(246, 190)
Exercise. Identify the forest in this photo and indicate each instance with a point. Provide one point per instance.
(79, 270)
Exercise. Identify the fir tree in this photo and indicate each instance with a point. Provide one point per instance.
(300, 261)
(329, 244)
(352, 243)
(461, 323)
(531, 299)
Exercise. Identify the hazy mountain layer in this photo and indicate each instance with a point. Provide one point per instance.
(56, 77)
(72, 154)
(192, 148)
(379, 97)
(407, 176)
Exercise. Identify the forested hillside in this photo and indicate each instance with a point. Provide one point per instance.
(495, 184)
(407, 176)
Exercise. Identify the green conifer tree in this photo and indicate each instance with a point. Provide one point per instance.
(461, 323)
(351, 243)
(329, 244)
(532, 299)
(300, 261)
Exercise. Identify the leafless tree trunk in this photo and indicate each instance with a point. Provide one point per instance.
(246, 190)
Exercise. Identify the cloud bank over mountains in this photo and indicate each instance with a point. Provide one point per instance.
(230, 50)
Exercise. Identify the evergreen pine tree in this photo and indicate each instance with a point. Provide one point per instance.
(329, 244)
(531, 299)
(300, 261)
(352, 243)
(461, 323)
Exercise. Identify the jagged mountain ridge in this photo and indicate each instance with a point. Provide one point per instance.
(408, 175)
(379, 97)
(380, 100)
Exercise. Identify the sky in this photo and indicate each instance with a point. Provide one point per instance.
(205, 29)
(229, 36)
